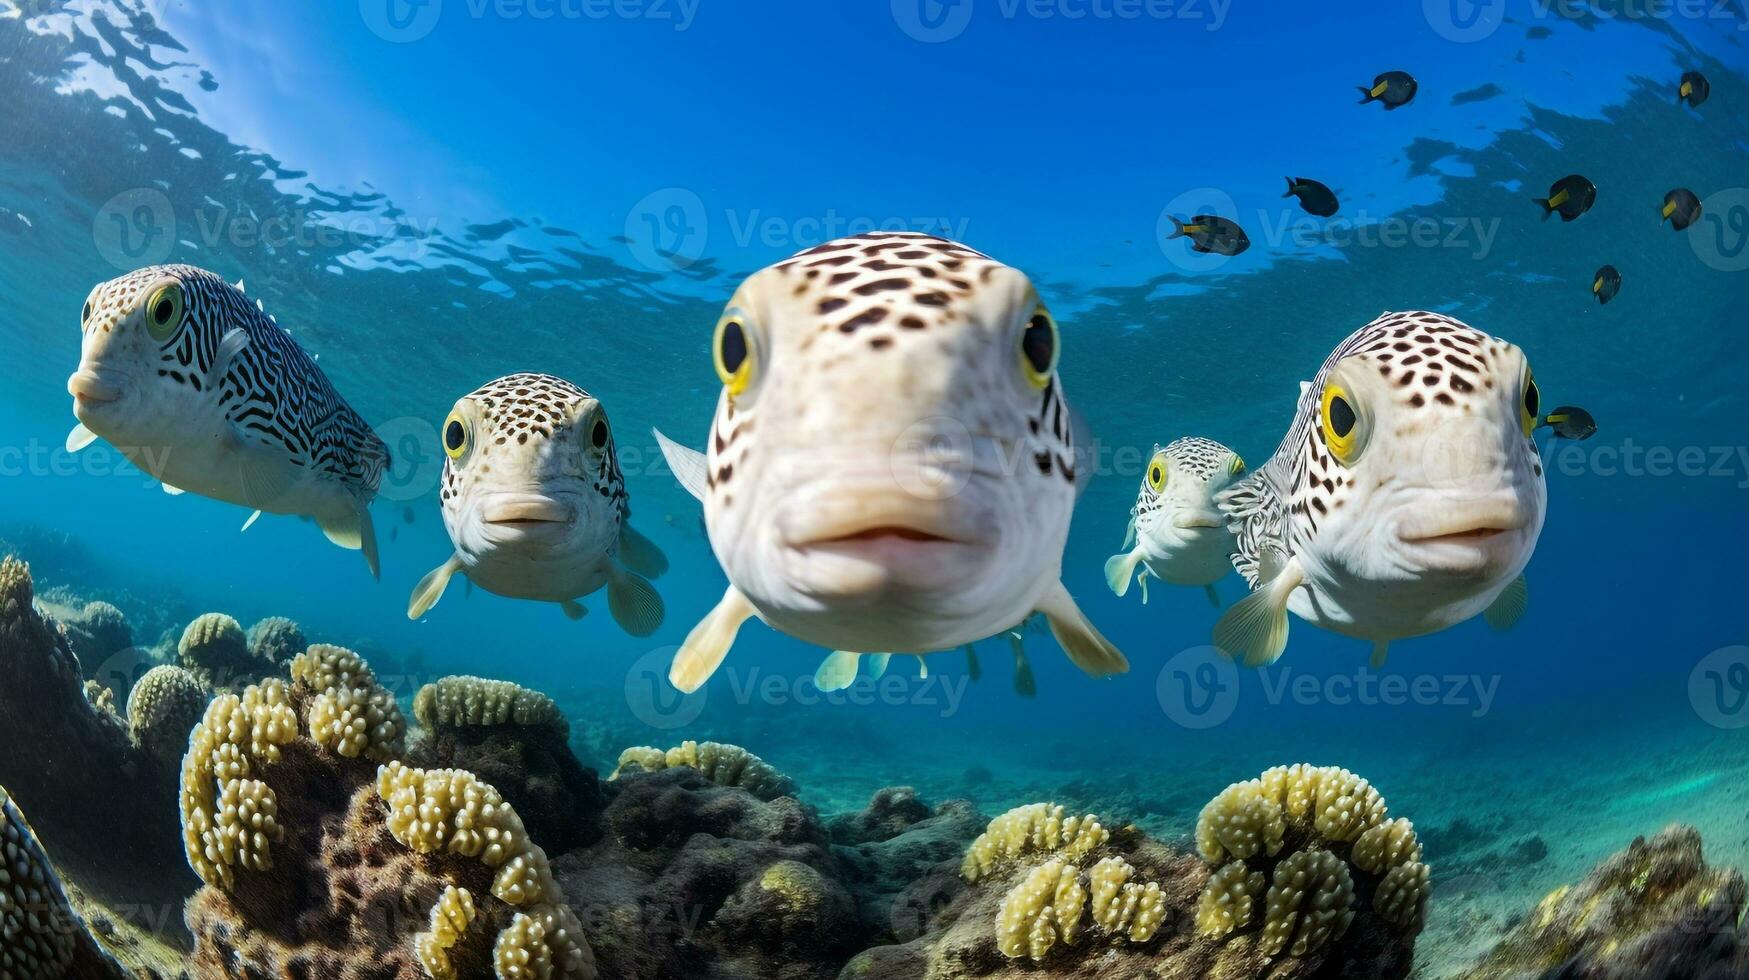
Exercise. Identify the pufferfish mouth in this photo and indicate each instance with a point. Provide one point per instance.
(524, 511)
(850, 528)
(87, 385)
(1475, 527)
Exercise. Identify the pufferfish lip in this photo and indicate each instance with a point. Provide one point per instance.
(87, 385)
(1475, 526)
(907, 521)
(524, 510)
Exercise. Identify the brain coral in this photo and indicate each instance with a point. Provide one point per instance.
(216, 650)
(457, 702)
(164, 707)
(1331, 824)
(275, 640)
(725, 765)
(316, 843)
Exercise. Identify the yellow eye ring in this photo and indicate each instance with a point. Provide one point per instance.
(1530, 406)
(1341, 423)
(1157, 474)
(456, 436)
(1039, 348)
(732, 353)
(164, 311)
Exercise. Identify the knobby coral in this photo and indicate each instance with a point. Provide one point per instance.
(725, 765)
(460, 702)
(1037, 828)
(41, 936)
(163, 708)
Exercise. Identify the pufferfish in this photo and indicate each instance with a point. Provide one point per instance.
(1176, 534)
(891, 467)
(1407, 496)
(200, 388)
(535, 504)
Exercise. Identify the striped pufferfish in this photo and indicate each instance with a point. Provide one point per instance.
(1176, 533)
(201, 389)
(891, 466)
(536, 506)
(1407, 496)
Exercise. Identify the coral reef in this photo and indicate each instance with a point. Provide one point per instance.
(515, 739)
(725, 765)
(1038, 828)
(215, 650)
(276, 640)
(325, 856)
(163, 708)
(71, 764)
(1654, 909)
(41, 936)
(96, 630)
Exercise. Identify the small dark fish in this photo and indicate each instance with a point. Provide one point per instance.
(1571, 422)
(1394, 88)
(1210, 233)
(1682, 208)
(1606, 284)
(1314, 197)
(1570, 197)
(1694, 89)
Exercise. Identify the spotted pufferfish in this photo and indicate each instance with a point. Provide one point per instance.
(200, 388)
(891, 466)
(1407, 496)
(1176, 533)
(536, 506)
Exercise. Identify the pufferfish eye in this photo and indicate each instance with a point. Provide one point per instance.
(598, 435)
(732, 351)
(1038, 348)
(1530, 413)
(164, 311)
(1156, 475)
(455, 436)
(1343, 426)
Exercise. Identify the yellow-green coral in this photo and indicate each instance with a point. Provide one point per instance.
(450, 919)
(349, 713)
(228, 818)
(543, 944)
(1041, 911)
(34, 941)
(1386, 846)
(1228, 901)
(457, 702)
(1336, 803)
(1310, 903)
(1123, 907)
(165, 705)
(1037, 828)
(1245, 820)
(450, 811)
(1401, 898)
(725, 765)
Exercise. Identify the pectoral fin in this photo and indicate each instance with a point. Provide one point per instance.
(837, 671)
(709, 642)
(79, 438)
(1142, 580)
(354, 532)
(172, 491)
(430, 588)
(974, 670)
(1090, 651)
(1255, 630)
(574, 610)
(250, 522)
(688, 464)
(1129, 534)
(1381, 651)
(640, 554)
(1510, 606)
(633, 602)
(877, 664)
(1024, 683)
(1119, 569)
(229, 347)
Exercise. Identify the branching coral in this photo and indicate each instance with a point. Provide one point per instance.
(725, 765)
(1037, 828)
(457, 702)
(349, 713)
(1325, 819)
(164, 707)
(1053, 906)
(450, 919)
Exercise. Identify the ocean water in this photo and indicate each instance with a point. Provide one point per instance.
(431, 196)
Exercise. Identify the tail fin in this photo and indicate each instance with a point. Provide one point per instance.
(1290, 188)
(1365, 94)
(1177, 228)
(1548, 208)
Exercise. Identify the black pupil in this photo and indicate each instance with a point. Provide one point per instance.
(1341, 417)
(162, 311)
(1532, 400)
(1038, 343)
(85, 315)
(734, 347)
(1154, 475)
(453, 436)
(598, 435)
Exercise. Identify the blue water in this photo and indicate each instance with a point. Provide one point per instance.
(493, 187)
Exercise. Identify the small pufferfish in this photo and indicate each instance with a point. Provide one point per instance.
(892, 465)
(197, 386)
(1407, 496)
(536, 506)
(1176, 533)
